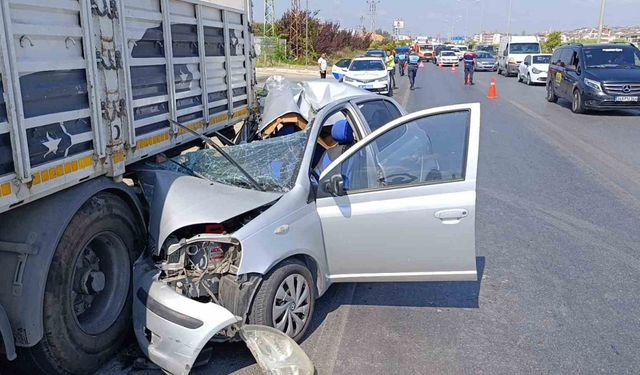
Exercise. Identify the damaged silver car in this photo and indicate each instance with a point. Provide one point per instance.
(357, 191)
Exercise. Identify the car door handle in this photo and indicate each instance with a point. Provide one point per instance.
(451, 216)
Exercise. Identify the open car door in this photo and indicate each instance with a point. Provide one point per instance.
(400, 205)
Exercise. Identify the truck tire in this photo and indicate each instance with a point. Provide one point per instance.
(272, 297)
(87, 299)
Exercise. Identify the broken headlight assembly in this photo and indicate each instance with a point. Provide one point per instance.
(194, 266)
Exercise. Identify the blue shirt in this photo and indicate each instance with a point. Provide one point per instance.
(402, 57)
(414, 59)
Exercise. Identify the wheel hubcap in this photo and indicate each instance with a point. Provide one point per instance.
(100, 283)
(291, 306)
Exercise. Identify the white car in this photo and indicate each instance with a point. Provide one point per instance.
(340, 68)
(534, 68)
(459, 53)
(447, 58)
(369, 73)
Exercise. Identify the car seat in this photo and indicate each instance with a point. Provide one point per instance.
(342, 133)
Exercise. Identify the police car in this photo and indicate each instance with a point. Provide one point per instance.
(369, 73)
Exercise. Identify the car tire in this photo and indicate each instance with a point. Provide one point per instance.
(577, 104)
(266, 302)
(105, 229)
(519, 77)
(551, 95)
(529, 83)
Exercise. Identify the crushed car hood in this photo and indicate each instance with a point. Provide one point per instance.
(176, 201)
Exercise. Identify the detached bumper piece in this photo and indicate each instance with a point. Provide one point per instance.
(172, 329)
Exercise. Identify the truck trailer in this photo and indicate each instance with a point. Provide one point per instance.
(89, 88)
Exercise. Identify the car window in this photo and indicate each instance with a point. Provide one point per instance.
(327, 147)
(575, 60)
(522, 48)
(611, 56)
(343, 63)
(448, 53)
(555, 59)
(543, 59)
(366, 65)
(430, 150)
(528, 59)
(565, 57)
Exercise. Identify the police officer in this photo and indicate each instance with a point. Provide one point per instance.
(412, 69)
(402, 61)
(470, 60)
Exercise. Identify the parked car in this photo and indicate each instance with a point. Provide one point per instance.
(340, 68)
(534, 69)
(595, 77)
(513, 50)
(486, 61)
(266, 230)
(439, 48)
(369, 73)
(458, 52)
(447, 58)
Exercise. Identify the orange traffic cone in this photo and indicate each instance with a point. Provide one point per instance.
(453, 68)
(493, 92)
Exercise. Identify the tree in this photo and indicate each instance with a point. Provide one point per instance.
(554, 39)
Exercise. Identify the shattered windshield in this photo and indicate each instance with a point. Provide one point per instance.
(272, 162)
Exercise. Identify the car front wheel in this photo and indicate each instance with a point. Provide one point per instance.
(577, 105)
(285, 299)
(551, 95)
(529, 83)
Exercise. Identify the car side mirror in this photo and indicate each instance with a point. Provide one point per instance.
(527, 63)
(335, 186)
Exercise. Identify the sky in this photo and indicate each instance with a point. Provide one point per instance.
(442, 17)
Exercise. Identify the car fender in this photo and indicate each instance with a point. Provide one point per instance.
(290, 228)
(27, 247)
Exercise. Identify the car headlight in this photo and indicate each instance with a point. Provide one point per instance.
(535, 70)
(593, 84)
(382, 79)
(202, 252)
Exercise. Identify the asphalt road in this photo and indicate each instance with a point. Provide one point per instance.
(558, 246)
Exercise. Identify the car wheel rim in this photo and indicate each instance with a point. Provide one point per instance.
(100, 283)
(291, 305)
(575, 101)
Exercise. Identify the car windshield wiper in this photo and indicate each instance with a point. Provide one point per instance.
(213, 145)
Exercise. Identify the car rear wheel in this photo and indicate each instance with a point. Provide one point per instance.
(577, 105)
(285, 299)
(551, 95)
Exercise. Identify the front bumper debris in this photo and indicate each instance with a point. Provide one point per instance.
(172, 329)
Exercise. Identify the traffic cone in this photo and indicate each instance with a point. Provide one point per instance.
(440, 65)
(453, 68)
(493, 92)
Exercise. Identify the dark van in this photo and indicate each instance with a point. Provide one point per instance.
(595, 77)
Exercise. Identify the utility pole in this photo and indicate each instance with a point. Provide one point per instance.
(295, 34)
(509, 19)
(269, 27)
(601, 23)
(373, 9)
(306, 33)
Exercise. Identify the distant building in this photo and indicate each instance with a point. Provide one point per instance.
(487, 38)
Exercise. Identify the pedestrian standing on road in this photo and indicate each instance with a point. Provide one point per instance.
(402, 61)
(322, 64)
(391, 67)
(412, 69)
(470, 60)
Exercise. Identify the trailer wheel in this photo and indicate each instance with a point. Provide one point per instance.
(87, 301)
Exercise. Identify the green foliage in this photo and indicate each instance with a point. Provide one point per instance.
(554, 39)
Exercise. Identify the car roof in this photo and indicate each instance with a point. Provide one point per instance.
(366, 58)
